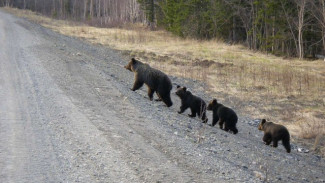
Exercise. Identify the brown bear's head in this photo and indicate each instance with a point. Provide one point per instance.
(181, 91)
(130, 65)
(212, 104)
(260, 126)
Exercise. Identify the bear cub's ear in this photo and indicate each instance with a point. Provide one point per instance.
(263, 121)
(184, 88)
(133, 60)
(214, 101)
(178, 86)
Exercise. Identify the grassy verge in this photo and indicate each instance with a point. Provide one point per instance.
(287, 91)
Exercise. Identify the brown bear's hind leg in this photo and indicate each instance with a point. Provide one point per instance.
(226, 128)
(204, 117)
(286, 144)
(150, 93)
(275, 142)
(159, 98)
(234, 130)
(221, 123)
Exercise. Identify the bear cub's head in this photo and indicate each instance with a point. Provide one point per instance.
(212, 105)
(130, 65)
(181, 91)
(261, 125)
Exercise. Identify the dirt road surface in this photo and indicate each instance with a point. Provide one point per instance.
(67, 114)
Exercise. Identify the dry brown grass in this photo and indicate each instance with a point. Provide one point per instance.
(288, 91)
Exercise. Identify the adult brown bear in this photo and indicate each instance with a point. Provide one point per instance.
(274, 132)
(156, 80)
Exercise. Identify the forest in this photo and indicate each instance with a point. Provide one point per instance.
(291, 28)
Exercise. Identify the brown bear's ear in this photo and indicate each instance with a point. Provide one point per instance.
(133, 60)
(263, 121)
(184, 88)
(214, 101)
(178, 86)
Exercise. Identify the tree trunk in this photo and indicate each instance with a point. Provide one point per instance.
(323, 24)
(254, 36)
(234, 30)
(54, 8)
(290, 27)
(91, 6)
(273, 33)
(152, 15)
(301, 12)
(61, 8)
(74, 9)
(35, 4)
(99, 9)
(85, 9)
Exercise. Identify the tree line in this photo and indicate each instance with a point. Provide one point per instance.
(294, 28)
(282, 27)
(104, 13)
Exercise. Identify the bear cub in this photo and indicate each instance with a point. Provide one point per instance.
(275, 132)
(196, 104)
(156, 80)
(226, 117)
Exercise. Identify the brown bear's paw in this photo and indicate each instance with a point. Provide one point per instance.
(192, 115)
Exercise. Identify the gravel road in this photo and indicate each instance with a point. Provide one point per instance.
(67, 114)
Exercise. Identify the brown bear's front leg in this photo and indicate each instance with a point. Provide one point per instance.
(267, 139)
(137, 84)
(193, 113)
(182, 109)
(150, 93)
(215, 119)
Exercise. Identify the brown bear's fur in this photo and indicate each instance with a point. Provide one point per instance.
(196, 104)
(226, 117)
(274, 132)
(156, 80)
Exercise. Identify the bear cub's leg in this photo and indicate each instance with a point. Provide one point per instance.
(226, 128)
(193, 113)
(215, 119)
(221, 121)
(182, 109)
(204, 117)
